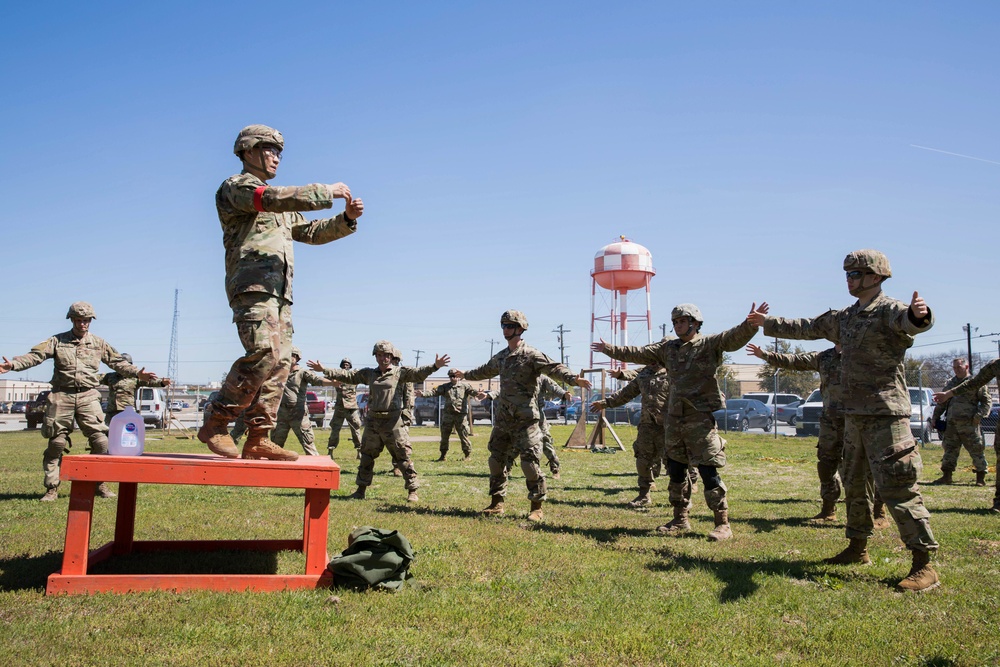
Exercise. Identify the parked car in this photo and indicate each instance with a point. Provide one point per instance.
(808, 413)
(572, 411)
(743, 414)
(316, 407)
(425, 409)
(19, 407)
(989, 423)
(773, 400)
(34, 412)
(176, 405)
(625, 414)
(551, 409)
(788, 412)
(921, 408)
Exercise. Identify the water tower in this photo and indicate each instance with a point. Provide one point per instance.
(619, 268)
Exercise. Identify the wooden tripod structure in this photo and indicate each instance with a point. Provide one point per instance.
(578, 439)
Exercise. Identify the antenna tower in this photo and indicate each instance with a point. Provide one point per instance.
(172, 358)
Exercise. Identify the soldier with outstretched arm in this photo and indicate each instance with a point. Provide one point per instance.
(874, 334)
(963, 413)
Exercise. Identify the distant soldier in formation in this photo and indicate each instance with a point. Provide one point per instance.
(259, 224)
(345, 408)
(385, 427)
(293, 413)
(455, 412)
(121, 390)
(874, 334)
(515, 412)
(77, 355)
(691, 435)
(966, 391)
(547, 389)
(962, 415)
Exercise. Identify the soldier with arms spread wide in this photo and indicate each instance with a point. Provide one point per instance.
(874, 334)
(345, 408)
(259, 224)
(964, 412)
(455, 412)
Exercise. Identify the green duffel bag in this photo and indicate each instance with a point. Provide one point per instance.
(374, 558)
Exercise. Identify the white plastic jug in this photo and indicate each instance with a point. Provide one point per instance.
(127, 436)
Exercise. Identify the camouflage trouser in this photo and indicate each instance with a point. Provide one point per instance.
(300, 424)
(547, 449)
(648, 448)
(63, 407)
(110, 414)
(459, 422)
(256, 381)
(518, 439)
(353, 419)
(886, 446)
(830, 454)
(386, 433)
(693, 439)
(963, 432)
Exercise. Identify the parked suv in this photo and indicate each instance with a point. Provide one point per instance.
(921, 408)
(807, 414)
(34, 411)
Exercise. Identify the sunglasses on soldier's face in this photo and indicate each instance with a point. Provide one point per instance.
(508, 325)
(857, 275)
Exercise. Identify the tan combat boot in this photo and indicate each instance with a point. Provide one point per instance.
(981, 478)
(411, 497)
(259, 446)
(945, 478)
(678, 524)
(826, 513)
(496, 506)
(440, 458)
(104, 492)
(722, 531)
(396, 472)
(856, 552)
(359, 494)
(879, 520)
(641, 500)
(922, 576)
(50, 495)
(215, 433)
(536, 511)
(996, 505)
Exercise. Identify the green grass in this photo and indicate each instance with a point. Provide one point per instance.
(592, 585)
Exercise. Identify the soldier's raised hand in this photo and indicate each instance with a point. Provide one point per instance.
(597, 406)
(340, 191)
(598, 346)
(584, 382)
(918, 307)
(315, 365)
(6, 365)
(442, 361)
(481, 395)
(758, 313)
(459, 374)
(754, 351)
(355, 209)
(144, 376)
(166, 382)
(943, 396)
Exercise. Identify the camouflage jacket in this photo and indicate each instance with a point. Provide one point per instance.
(409, 393)
(382, 394)
(259, 223)
(76, 361)
(456, 396)
(294, 401)
(873, 340)
(650, 382)
(547, 389)
(519, 371)
(121, 390)
(826, 363)
(971, 395)
(347, 397)
(690, 366)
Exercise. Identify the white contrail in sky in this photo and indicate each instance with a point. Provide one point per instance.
(938, 150)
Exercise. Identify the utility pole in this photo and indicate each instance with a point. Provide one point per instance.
(562, 343)
(417, 365)
(968, 341)
(172, 361)
(489, 384)
(663, 330)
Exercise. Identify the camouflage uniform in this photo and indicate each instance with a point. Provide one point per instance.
(76, 374)
(970, 387)
(516, 414)
(293, 414)
(455, 413)
(345, 408)
(652, 383)
(259, 223)
(121, 392)
(386, 426)
(963, 427)
(874, 339)
(547, 389)
(690, 433)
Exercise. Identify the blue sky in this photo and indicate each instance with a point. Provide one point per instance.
(497, 147)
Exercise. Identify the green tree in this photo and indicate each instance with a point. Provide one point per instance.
(789, 382)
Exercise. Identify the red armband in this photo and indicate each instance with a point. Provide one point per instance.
(258, 197)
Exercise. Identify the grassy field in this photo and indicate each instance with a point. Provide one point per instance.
(591, 585)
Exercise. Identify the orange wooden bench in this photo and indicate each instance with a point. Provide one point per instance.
(318, 475)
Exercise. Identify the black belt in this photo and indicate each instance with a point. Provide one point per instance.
(72, 390)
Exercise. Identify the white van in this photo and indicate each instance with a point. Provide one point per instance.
(152, 405)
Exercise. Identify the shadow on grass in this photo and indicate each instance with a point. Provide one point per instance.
(770, 525)
(984, 511)
(460, 512)
(600, 535)
(22, 573)
(608, 491)
(612, 474)
(785, 501)
(484, 475)
(20, 496)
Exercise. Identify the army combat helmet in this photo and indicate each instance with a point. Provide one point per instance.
(127, 357)
(296, 352)
(251, 135)
(81, 309)
(346, 363)
(872, 260)
(515, 317)
(687, 310)
(386, 347)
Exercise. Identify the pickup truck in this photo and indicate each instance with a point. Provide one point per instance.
(34, 411)
(317, 408)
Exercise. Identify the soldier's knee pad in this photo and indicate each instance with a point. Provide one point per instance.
(710, 477)
(677, 471)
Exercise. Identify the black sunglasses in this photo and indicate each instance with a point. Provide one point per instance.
(857, 275)
(508, 325)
